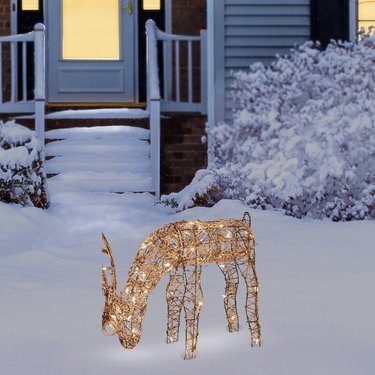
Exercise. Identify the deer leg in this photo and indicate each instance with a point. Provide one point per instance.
(230, 273)
(247, 269)
(193, 302)
(175, 300)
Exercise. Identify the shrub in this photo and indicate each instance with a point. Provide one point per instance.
(22, 177)
(303, 138)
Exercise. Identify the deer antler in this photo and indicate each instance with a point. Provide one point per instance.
(247, 218)
(109, 291)
(112, 267)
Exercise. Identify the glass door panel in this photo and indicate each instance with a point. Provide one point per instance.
(366, 14)
(91, 30)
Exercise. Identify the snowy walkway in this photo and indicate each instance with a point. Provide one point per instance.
(316, 299)
(106, 159)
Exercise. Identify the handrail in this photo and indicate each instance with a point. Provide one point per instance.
(162, 35)
(24, 104)
(28, 37)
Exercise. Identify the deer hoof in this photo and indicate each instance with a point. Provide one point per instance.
(172, 338)
(190, 355)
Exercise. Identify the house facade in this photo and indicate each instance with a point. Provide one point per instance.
(249, 31)
(96, 55)
(96, 49)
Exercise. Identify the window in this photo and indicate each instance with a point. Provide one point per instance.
(91, 30)
(366, 14)
(151, 5)
(30, 5)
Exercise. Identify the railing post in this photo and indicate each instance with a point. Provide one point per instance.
(153, 103)
(155, 143)
(39, 66)
(204, 69)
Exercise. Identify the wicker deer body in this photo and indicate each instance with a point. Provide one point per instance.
(181, 249)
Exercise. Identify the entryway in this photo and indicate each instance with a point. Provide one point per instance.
(91, 50)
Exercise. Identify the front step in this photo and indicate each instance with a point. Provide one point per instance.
(59, 165)
(98, 160)
(90, 118)
(111, 182)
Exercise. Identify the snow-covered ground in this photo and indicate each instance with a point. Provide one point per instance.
(316, 300)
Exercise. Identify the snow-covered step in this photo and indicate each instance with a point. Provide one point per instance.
(103, 132)
(62, 164)
(102, 182)
(92, 199)
(65, 148)
(112, 140)
(112, 157)
(98, 160)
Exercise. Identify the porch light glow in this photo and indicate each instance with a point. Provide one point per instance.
(366, 14)
(30, 5)
(91, 30)
(151, 5)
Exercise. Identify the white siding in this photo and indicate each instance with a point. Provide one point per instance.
(249, 31)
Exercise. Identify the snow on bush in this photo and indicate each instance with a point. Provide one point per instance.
(202, 191)
(22, 178)
(303, 138)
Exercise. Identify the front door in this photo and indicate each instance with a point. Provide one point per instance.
(91, 51)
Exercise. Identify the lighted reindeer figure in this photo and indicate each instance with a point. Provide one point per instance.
(181, 249)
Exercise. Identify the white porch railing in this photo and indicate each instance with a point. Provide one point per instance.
(171, 98)
(18, 99)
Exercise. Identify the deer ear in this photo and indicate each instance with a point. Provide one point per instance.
(247, 218)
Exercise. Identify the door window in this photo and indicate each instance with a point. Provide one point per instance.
(30, 5)
(91, 30)
(366, 14)
(151, 5)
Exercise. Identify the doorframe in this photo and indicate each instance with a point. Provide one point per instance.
(353, 20)
(13, 17)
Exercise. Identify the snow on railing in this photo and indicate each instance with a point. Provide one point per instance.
(18, 97)
(173, 98)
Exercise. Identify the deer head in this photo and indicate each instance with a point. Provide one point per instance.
(116, 316)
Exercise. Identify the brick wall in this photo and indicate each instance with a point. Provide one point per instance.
(182, 151)
(5, 30)
(193, 11)
(4, 17)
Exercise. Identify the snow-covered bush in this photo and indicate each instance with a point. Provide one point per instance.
(202, 191)
(22, 178)
(303, 138)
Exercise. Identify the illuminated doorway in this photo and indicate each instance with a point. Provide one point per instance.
(91, 51)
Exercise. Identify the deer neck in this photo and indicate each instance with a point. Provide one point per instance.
(142, 280)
